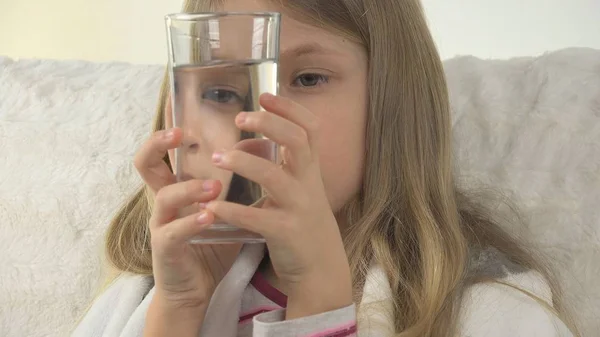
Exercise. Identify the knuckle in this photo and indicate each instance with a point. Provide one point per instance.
(287, 227)
(282, 220)
(216, 208)
(138, 160)
(192, 187)
(169, 235)
(247, 216)
(313, 126)
(161, 197)
(157, 137)
(298, 138)
(272, 176)
(261, 117)
(234, 157)
(152, 225)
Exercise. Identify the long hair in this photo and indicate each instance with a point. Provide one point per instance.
(409, 217)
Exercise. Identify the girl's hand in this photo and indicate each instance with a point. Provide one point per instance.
(301, 231)
(185, 275)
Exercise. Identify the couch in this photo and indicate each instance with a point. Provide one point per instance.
(529, 126)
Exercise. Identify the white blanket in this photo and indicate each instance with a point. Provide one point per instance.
(68, 131)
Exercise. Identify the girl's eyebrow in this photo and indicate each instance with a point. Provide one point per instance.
(307, 49)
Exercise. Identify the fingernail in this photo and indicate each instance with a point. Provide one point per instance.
(241, 117)
(202, 205)
(202, 218)
(217, 157)
(169, 135)
(268, 96)
(208, 185)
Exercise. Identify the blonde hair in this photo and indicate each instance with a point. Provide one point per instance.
(409, 216)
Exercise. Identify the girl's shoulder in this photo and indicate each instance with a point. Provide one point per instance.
(111, 310)
(518, 302)
(129, 287)
(517, 305)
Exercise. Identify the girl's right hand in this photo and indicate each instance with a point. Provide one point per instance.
(184, 274)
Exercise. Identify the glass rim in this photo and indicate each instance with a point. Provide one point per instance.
(212, 15)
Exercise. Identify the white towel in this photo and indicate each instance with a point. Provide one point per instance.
(489, 310)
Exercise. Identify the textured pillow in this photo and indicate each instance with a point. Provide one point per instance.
(531, 126)
(68, 132)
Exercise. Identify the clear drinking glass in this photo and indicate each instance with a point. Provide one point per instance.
(219, 65)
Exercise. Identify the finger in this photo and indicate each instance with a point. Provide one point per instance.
(259, 147)
(262, 221)
(297, 114)
(284, 132)
(179, 231)
(173, 197)
(149, 160)
(279, 184)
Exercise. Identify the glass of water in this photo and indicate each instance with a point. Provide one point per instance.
(219, 65)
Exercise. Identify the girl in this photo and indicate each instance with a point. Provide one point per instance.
(366, 230)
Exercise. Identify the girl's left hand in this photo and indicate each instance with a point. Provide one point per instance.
(302, 234)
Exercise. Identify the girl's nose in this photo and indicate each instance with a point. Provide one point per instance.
(191, 141)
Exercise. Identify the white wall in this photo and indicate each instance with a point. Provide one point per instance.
(133, 30)
(505, 28)
(98, 30)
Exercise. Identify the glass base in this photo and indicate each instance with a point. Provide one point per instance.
(226, 234)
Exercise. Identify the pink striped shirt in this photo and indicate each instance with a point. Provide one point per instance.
(263, 311)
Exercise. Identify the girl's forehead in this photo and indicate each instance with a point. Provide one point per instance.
(251, 5)
(298, 38)
(295, 34)
(290, 28)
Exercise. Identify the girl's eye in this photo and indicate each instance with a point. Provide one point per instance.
(310, 80)
(221, 96)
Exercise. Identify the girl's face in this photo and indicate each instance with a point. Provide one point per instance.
(327, 74)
